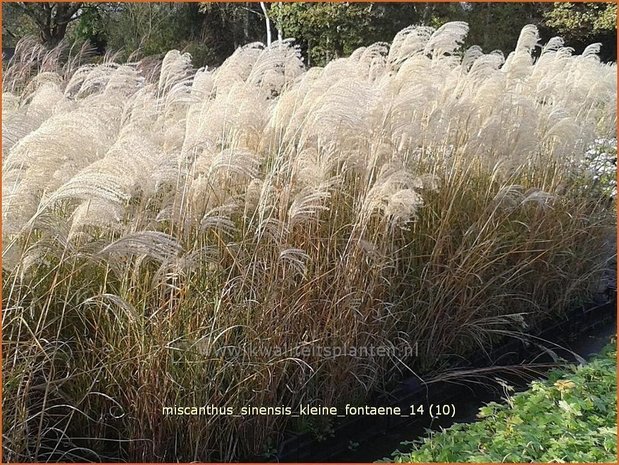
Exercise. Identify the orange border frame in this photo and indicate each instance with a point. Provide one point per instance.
(291, 1)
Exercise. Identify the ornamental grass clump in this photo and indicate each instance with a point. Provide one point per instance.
(167, 231)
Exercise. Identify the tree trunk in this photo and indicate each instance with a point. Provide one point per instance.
(56, 34)
(267, 21)
(52, 19)
(246, 24)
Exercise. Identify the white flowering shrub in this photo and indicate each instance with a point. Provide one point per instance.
(600, 162)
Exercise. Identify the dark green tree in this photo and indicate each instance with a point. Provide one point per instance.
(51, 19)
(15, 25)
(212, 31)
(329, 30)
(90, 26)
(497, 26)
(231, 25)
(581, 24)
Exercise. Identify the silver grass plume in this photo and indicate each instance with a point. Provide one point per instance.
(528, 39)
(153, 244)
(592, 51)
(307, 204)
(407, 43)
(237, 68)
(553, 45)
(275, 67)
(395, 195)
(295, 260)
(176, 68)
(519, 63)
(446, 39)
(96, 213)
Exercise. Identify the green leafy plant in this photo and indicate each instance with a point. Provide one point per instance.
(570, 417)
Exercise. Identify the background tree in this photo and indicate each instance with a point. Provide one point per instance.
(497, 26)
(15, 25)
(581, 24)
(51, 19)
(330, 30)
(151, 28)
(212, 31)
(230, 25)
(154, 28)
